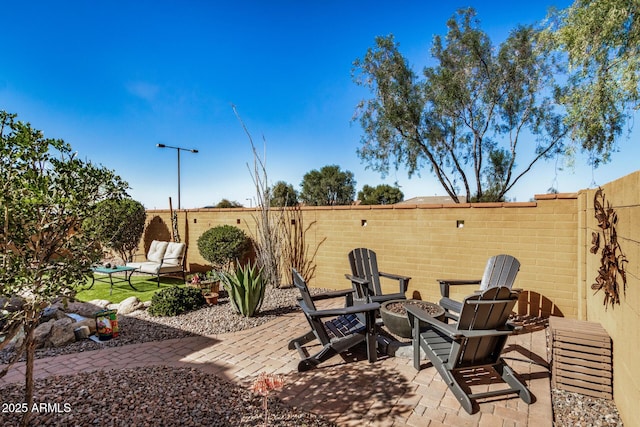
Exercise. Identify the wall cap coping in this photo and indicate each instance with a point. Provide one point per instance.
(401, 206)
(556, 196)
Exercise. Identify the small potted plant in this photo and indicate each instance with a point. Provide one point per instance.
(211, 297)
(207, 283)
(211, 281)
(195, 280)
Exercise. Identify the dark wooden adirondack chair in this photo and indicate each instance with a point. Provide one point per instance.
(365, 275)
(476, 341)
(501, 270)
(346, 327)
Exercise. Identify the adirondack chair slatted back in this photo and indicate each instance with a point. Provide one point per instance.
(501, 270)
(307, 304)
(489, 310)
(364, 264)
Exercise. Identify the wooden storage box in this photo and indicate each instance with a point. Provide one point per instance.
(581, 357)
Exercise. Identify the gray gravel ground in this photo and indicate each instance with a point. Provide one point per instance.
(179, 396)
(577, 410)
(152, 396)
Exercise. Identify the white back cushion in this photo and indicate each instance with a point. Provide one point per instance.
(173, 254)
(156, 251)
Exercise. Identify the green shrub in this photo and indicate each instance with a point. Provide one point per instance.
(246, 289)
(222, 245)
(175, 300)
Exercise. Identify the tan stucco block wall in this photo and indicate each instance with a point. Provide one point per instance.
(622, 321)
(426, 243)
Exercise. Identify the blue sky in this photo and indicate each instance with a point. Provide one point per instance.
(116, 78)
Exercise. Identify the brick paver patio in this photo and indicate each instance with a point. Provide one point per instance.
(389, 392)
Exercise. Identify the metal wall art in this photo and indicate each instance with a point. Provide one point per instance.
(611, 275)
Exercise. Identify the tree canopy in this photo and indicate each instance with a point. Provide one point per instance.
(118, 225)
(469, 116)
(226, 204)
(327, 187)
(46, 194)
(283, 194)
(601, 43)
(382, 194)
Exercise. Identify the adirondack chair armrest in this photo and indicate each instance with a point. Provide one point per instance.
(356, 279)
(445, 283)
(514, 327)
(333, 312)
(485, 333)
(332, 294)
(403, 281)
(360, 287)
(414, 313)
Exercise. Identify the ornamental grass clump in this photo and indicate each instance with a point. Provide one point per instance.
(245, 287)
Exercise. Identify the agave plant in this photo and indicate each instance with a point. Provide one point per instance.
(245, 287)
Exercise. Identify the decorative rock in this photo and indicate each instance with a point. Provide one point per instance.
(102, 303)
(62, 332)
(41, 333)
(129, 305)
(12, 304)
(49, 313)
(81, 332)
(15, 342)
(89, 323)
(86, 309)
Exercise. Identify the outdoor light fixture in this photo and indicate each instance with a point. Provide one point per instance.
(178, 149)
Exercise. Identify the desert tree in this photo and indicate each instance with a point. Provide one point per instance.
(226, 204)
(283, 194)
(382, 194)
(46, 194)
(328, 186)
(598, 42)
(469, 116)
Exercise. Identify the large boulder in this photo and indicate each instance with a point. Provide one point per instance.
(86, 309)
(129, 305)
(42, 332)
(11, 304)
(54, 311)
(62, 332)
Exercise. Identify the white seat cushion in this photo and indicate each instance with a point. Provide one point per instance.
(157, 251)
(145, 267)
(173, 254)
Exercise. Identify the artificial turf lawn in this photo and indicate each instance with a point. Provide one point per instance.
(146, 286)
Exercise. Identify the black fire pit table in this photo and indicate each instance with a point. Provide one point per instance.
(394, 315)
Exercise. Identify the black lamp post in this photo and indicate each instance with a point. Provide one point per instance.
(178, 150)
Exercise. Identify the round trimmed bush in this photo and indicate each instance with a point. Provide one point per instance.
(222, 245)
